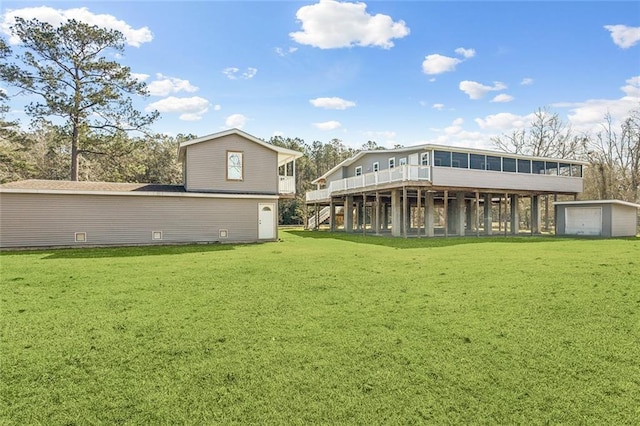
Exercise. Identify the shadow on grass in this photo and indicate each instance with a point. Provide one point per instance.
(137, 251)
(439, 241)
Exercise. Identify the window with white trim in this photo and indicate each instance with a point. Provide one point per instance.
(235, 165)
(376, 166)
(403, 161)
(392, 162)
(424, 158)
(359, 171)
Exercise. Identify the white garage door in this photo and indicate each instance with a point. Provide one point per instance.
(583, 220)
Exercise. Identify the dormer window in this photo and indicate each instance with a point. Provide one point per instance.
(235, 165)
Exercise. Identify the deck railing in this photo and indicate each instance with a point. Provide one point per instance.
(287, 185)
(397, 174)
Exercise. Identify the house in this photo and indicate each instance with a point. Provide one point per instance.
(231, 187)
(441, 190)
(602, 218)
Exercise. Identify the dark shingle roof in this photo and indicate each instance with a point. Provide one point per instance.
(66, 185)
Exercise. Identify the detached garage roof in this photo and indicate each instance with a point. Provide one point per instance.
(591, 202)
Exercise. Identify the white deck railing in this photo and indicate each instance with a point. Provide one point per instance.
(397, 174)
(287, 185)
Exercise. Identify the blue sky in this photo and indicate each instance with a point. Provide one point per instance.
(402, 72)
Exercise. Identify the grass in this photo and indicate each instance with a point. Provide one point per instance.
(324, 328)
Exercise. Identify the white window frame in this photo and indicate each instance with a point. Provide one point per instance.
(358, 171)
(80, 237)
(392, 162)
(234, 177)
(403, 161)
(376, 166)
(156, 235)
(423, 156)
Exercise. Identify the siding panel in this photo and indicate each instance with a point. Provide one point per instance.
(623, 221)
(207, 170)
(444, 176)
(40, 220)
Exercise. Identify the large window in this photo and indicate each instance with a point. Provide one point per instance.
(564, 169)
(537, 167)
(509, 165)
(442, 158)
(524, 166)
(494, 163)
(460, 160)
(551, 168)
(576, 170)
(476, 161)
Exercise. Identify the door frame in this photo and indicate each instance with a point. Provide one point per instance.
(274, 228)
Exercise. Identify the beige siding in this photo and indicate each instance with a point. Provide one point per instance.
(623, 220)
(207, 166)
(36, 220)
(484, 179)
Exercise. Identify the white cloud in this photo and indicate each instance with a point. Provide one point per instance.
(55, 17)
(437, 106)
(623, 36)
(191, 108)
(236, 120)
(331, 24)
(526, 81)
(589, 115)
(332, 103)
(477, 90)
(466, 53)
(502, 97)
(504, 121)
(234, 73)
(327, 125)
(284, 52)
(164, 86)
(217, 107)
(437, 64)
(139, 76)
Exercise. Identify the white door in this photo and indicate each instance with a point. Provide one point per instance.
(583, 221)
(266, 221)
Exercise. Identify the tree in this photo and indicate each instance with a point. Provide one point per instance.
(614, 171)
(547, 136)
(67, 68)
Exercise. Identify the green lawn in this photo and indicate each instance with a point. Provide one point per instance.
(324, 328)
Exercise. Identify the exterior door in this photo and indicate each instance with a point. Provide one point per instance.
(266, 221)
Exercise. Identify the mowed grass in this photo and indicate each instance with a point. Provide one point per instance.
(324, 328)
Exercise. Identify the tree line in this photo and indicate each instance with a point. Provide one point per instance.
(84, 125)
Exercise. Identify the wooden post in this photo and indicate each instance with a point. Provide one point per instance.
(332, 215)
(446, 213)
(364, 213)
(477, 214)
(404, 211)
(317, 213)
(418, 211)
(506, 217)
(377, 216)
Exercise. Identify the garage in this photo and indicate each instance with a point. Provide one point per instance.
(597, 218)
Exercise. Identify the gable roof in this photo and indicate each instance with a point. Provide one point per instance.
(285, 155)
